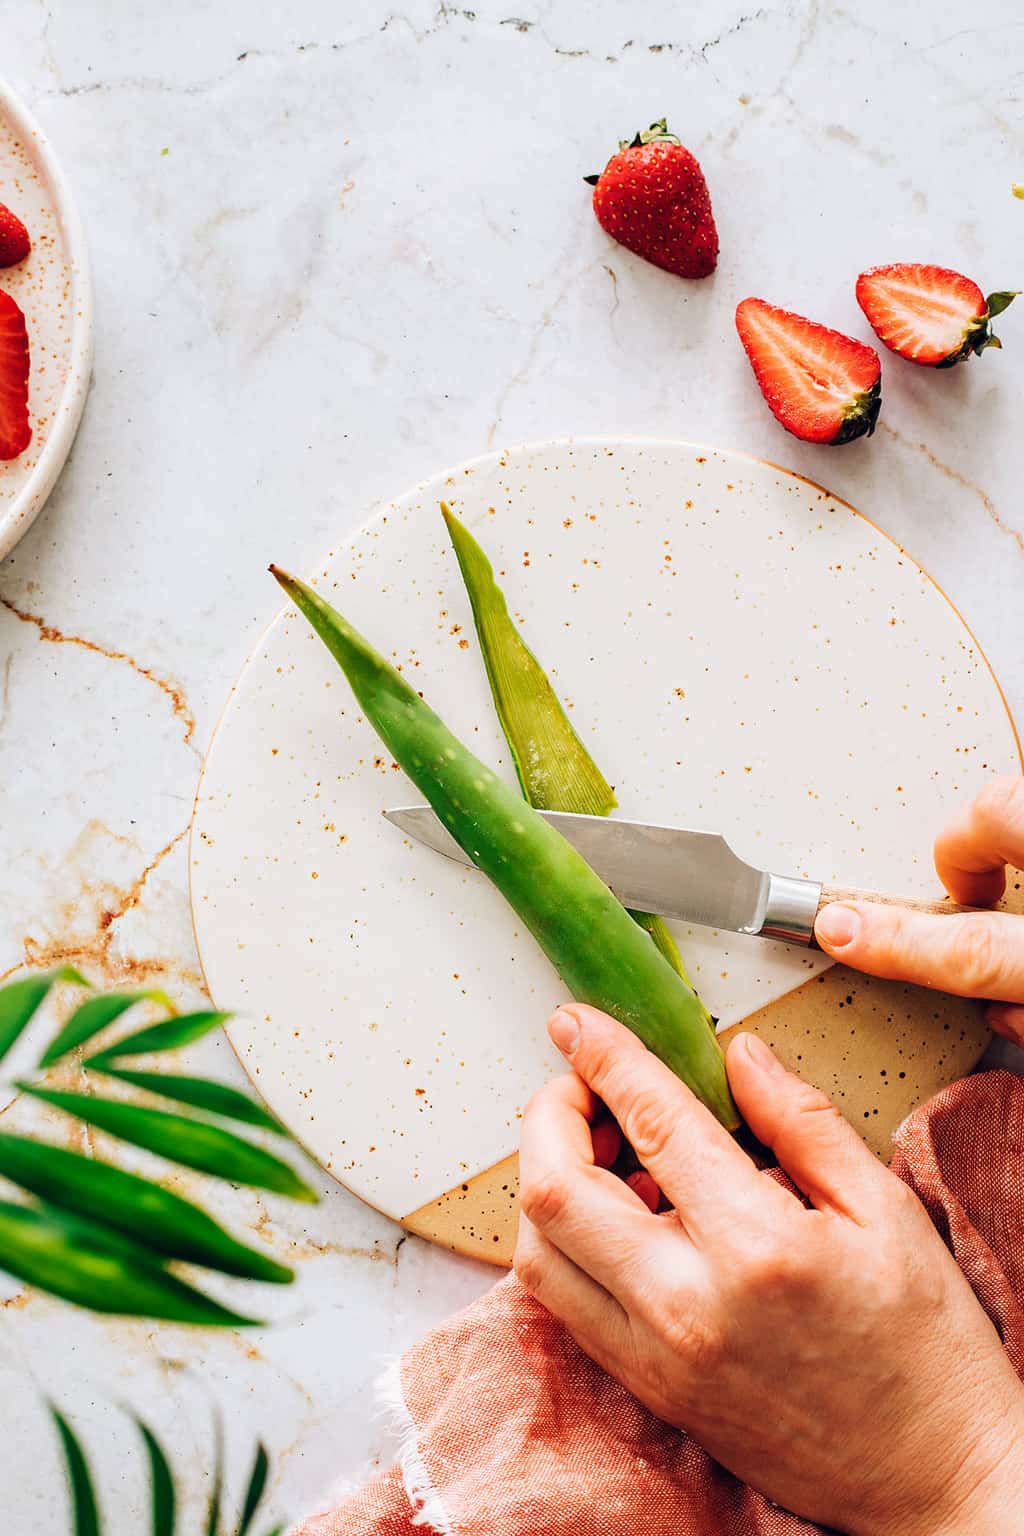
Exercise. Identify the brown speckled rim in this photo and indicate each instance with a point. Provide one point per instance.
(28, 503)
(442, 1235)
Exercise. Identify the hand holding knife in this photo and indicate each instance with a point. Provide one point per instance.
(694, 877)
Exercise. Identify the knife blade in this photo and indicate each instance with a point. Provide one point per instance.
(678, 872)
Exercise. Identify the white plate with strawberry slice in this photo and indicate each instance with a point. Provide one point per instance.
(45, 319)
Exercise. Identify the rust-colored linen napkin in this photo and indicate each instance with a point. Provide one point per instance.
(509, 1430)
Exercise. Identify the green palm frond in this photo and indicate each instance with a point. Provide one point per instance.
(163, 1500)
(100, 1235)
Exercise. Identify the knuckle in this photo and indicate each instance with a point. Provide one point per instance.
(1000, 804)
(974, 955)
(698, 1344)
(543, 1199)
(528, 1266)
(768, 1274)
(649, 1122)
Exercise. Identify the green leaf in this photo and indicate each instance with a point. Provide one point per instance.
(662, 937)
(20, 999)
(254, 1492)
(161, 1483)
(169, 1035)
(193, 1143)
(997, 302)
(159, 1220)
(93, 1016)
(555, 769)
(201, 1092)
(87, 1519)
(217, 1491)
(83, 1263)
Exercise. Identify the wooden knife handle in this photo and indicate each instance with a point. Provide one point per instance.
(937, 908)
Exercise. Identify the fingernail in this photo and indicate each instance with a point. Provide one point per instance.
(763, 1058)
(564, 1031)
(837, 925)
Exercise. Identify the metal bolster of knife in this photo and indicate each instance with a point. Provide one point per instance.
(790, 909)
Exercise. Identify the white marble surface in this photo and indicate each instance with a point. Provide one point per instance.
(333, 253)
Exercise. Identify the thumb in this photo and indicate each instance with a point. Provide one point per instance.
(820, 1151)
(974, 954)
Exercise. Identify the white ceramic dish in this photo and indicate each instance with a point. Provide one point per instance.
(742, 652)
(52, 287)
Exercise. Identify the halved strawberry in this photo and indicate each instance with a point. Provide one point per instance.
(14, 241)
(15, 432)
(822, 386)
(929, 315)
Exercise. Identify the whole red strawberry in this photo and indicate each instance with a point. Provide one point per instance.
(929, 315)
(652, 198)
(823, 386)
(14, 241)
(15, 432)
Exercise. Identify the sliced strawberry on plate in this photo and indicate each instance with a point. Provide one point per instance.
(823, 386)
(652, 198)
(14, 241)
(929, 315)
(15, 432)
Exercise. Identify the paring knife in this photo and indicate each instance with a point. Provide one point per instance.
(682, 873)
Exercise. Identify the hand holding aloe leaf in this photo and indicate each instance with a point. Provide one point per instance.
(602, 955)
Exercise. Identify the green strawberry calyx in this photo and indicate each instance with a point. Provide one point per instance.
(979, 333)
(657, 133)
(859, 415)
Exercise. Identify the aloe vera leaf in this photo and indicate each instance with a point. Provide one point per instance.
(602, 956)
(555, 770)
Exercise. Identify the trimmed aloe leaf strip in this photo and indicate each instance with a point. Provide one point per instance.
(200, 1092)
(20, 999)
(603, 957)
(555, 769)
(69, 1258)
(168, 1035)
(83, 1499)
(156, 1218)
(161, 1483)
(254, 1492)
(93, 1016)
(193, 1143)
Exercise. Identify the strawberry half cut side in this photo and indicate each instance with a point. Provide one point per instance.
(822, 386)
(14, 239)
(15, 432)
(929, 315)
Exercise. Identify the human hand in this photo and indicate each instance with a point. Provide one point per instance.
(834, 1357)
(976, 955)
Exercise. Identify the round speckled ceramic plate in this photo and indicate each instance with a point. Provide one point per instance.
(52, 287)
(741, 650)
